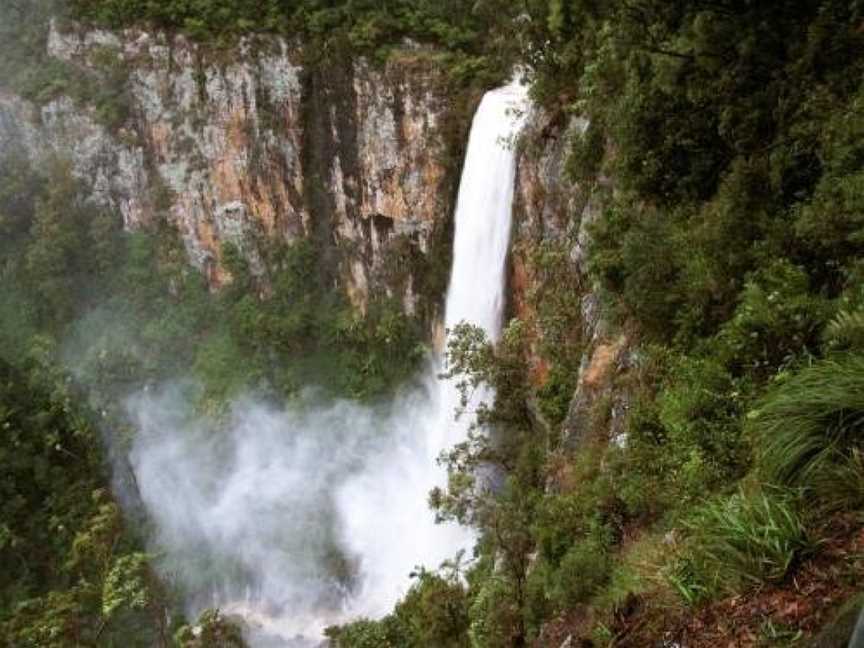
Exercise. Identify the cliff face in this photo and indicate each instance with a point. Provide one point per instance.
(552, 219)
(255, 145)
(251, 146)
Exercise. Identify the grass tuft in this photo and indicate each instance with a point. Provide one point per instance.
(745, 539)
(819, 410)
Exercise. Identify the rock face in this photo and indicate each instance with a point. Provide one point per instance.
(552, 220)
(258, 145)
(251, 146)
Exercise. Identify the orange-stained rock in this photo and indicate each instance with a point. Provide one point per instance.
(228, 146)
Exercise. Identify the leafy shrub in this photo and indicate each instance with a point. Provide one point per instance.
(126, 585)
(496, 619)
(555, 395)
(777, 320)
(363, 633)
(211, 631)
(434, 613)
(700, 411)
(71, 569)
(644, 471)
(632, 256)
(583, 570)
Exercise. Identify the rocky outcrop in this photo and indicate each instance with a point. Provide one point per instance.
(252, 146)
(552, 217)
(549, 210)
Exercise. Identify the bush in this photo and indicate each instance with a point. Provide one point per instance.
(700, 411)
(211, 631)
(495, 615)
(363, 633)
(584, 569)
(434, 613)
(777, 320)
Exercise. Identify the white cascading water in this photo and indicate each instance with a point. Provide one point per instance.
(390, 527)
(316, 514)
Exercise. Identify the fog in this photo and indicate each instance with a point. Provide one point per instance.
(294, 518)
(315, 513)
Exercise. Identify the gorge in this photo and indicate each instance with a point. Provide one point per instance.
(292, 497)
(314, 330)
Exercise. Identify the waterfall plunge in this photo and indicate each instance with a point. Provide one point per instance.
(388, 523)
(247, 518)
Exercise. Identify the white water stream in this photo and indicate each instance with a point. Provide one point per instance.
(252, 517)
(388, 522)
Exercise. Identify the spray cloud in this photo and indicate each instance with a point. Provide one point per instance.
(306, 516)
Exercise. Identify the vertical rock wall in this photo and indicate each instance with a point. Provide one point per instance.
(553, 216)
(252, 146)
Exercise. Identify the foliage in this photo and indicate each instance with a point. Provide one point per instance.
(72, 574)
(128, 305)
(461, 30)
(745, 538)
(126, 585)
(495, 615)
(433, 614)
(125, 310)
(582, 570)
(729, 250)
(555, 299)
(819, 410)
(362, 633)
(211, 631)
(846, 330)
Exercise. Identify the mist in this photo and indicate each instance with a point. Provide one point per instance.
(294, 518)
(316, 513)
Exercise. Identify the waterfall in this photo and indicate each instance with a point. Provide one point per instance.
(315, 514)
(483, 218)
(483, 212)
(388, 522)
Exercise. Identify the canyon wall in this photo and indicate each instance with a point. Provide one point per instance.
(253, 145)
(549, 255)
(262, 143)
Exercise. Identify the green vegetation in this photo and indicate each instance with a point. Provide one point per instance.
(28, 70)
(819, 410)
(73, 572)
(461, 32)
(124, 310)
(745, 538)
(213, 631)
(432, 615)
(126, 306)
(729, 251)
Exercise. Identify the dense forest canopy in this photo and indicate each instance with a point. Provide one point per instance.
(726, 146)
